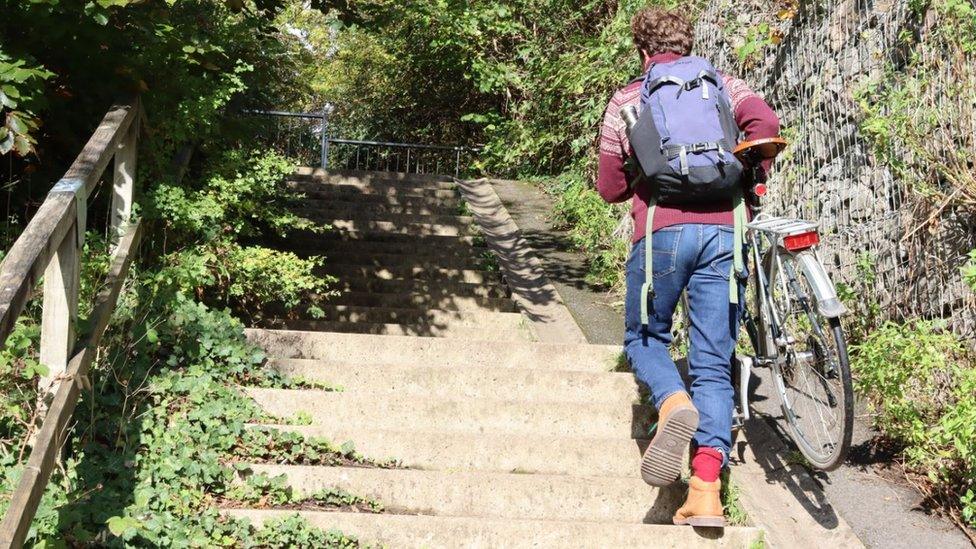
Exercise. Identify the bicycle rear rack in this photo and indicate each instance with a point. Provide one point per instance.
(781, 226)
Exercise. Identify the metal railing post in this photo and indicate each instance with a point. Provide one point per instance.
(326, 109)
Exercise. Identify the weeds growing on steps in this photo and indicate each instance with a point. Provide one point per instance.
(159, 437)
(735, 514)
(260, 490)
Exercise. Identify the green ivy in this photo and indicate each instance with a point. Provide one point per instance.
(592, 225)
(158, 438)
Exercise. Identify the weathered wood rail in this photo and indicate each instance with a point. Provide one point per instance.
(51, 246)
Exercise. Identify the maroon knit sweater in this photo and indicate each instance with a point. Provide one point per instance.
(752, 114)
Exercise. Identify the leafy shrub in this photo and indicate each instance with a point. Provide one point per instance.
(593, 227)
(903, 370)
(921, 383)
(19, 370)
(19, 83)
(238, 195)
(264, 276)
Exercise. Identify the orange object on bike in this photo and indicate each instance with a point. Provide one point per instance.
(757, 150)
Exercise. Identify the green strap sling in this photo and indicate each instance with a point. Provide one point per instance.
(738, 261)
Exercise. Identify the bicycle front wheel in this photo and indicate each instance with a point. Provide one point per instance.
(812, 374)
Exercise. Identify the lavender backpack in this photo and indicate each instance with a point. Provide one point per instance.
(685, 133)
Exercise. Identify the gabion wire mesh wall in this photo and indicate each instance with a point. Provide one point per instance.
(877, 99)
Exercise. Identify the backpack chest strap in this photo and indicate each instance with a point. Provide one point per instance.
(674, 150)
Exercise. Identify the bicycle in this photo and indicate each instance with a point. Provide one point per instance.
(795, 327)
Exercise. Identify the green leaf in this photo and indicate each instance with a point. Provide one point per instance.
(123, 527)
(6, 141)
(7, 101)
(15, 123)
(22, 146)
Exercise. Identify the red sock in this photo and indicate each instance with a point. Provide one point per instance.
(707, 464)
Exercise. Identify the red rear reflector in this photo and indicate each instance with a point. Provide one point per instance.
(759, 190)
(801, 241)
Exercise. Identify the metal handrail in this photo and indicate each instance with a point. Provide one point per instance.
(425, 146)
(283, 113)
(327, 141)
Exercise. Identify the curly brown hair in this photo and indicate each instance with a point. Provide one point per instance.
(658, 30)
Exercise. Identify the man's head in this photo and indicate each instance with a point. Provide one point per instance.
(658, 30)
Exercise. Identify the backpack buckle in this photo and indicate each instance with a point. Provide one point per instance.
(698, 147)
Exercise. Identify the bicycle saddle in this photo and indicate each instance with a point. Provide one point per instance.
(753, 152)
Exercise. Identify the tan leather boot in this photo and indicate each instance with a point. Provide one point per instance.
(664, 456)
(703, 506)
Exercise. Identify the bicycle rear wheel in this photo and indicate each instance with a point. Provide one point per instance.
(812, 374)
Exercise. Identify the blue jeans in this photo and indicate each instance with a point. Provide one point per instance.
(697, 257)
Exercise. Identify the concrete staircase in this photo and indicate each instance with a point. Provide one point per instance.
(504, 440)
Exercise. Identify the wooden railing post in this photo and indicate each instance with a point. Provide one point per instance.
(59, 314)
(50, 247)
(125, 176)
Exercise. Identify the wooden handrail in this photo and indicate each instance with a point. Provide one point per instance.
(51, 245)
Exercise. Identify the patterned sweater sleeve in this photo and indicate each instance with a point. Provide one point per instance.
(611, 180)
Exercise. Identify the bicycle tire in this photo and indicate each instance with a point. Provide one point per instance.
(790, 365)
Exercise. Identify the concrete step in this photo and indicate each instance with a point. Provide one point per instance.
(329, 214)
(469, 261)
(353, 189)
(455, 415)
(503, 453)
(410, 228)
(430, 247)
(396, 308)
(346, 194)
(437, 381)
(449, 330)
(321, 241)
(423, 531)
(334, 176)
(312, 204)
(447, 301)
(336, 241)
(367, 349)
(432, 273)
(439, 290)
(490, 495)
(489, 320)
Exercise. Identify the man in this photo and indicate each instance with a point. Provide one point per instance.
(692, 248)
